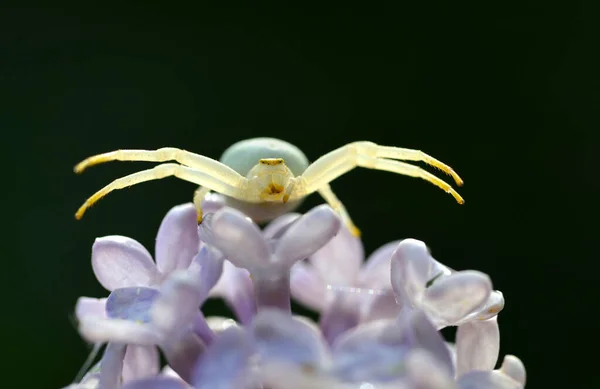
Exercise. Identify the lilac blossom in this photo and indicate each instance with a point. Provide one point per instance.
(379, 324)
(337, 282)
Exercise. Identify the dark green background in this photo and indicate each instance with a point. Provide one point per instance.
(505, 92)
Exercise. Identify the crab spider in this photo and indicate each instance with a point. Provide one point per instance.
(265, 177)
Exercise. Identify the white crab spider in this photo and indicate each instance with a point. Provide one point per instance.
(266, 177)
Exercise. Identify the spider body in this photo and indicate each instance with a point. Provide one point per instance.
(265, 177)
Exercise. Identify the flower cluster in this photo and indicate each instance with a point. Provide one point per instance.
(379, 318)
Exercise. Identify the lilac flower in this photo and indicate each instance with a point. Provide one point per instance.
(345, 290)
(269, 263)
(379, 325)
(448, 297)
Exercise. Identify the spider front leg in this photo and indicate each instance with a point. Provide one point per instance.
(369, 155)
(215, 183)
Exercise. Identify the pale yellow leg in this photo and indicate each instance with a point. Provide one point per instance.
(157, 173)
(365, 154)
(337, 206)
(199, 162)
(199, 195)
(407, 169)
(374, 150)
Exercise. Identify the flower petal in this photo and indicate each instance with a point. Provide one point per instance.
(183, 353)
(111, 366)
(140, 362)
(225, 364)
(207, 266)
(89, 306)
(339, 261)
(219, 324)
(342, 313)
(492, 307)
(477, 345)
(237, 237)
(156, 383)
(131, 304)
(371, 352)
(379, 305)
(120, 262)
(420, 332)
(307, 286)
(97, 330)
(213, 202)
(236, 287)
(276, 228)
(514, 368)
(178, 303)
(412, 269)
(280, 337)
(177, 241)
(307, 235)
(426, 372)
(487, 380)
(375, 272)
(454, 297)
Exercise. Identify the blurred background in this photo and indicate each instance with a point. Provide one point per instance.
(504, 92)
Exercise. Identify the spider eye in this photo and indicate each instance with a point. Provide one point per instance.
(271, 161)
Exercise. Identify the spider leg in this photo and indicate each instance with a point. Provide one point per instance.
(199, 195)
(342, 160)
(196, 161)
(337, 206)
(378, 151)
(216, 184)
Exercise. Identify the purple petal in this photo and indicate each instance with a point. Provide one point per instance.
(201, 328)
(280, 337)
(219, 324)
(375, 272)
(412, 269)
(307, 235)
(281, 375)
(178, 303)
(420, 332)
(207, 266)
(111, 366)
(272, 289)
(379, 305)
(131, 304)
(225, 364)
(342, 313)
(514, 368)
(88, 306)
(487, 380)
(492, 307)
(156, 383)
(236, 287)
(454, 297)
(339, 261)
(96, 330)
(177, 241)
(140, 362)
(183, 353)
(307, 286)
(426, 372)
(237, 237)
(276, 228)
(213, 202)
(372, 352)
(477, 345)
(120, 262)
